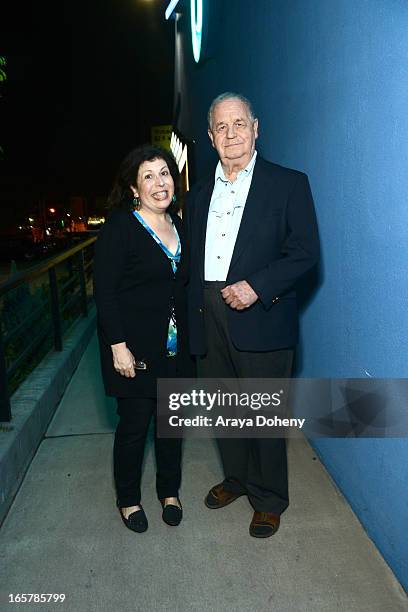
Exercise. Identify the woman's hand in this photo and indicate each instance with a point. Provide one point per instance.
(123, 360)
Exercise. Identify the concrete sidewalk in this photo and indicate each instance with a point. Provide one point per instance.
(63, 533)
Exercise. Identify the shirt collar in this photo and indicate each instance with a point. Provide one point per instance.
(219, 172)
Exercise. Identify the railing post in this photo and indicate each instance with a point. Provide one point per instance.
(5, 409)
(55, 310)
(82, 283)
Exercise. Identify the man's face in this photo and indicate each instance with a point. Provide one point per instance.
(233, 132)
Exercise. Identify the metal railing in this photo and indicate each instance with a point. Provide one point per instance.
(37, 307)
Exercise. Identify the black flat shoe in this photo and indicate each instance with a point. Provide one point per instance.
(137, 521)
(172, 514)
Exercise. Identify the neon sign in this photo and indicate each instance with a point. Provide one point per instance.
(196, 27)
(179, 152)
(171, 8)
(196, 13)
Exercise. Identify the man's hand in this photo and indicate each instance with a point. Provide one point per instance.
(123, 360)
(239, 296)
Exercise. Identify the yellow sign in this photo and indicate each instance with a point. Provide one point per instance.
(161, 136)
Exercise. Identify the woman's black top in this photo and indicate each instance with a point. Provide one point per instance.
(135, 288)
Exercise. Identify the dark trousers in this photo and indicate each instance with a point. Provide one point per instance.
(256, 467)
(128, 450)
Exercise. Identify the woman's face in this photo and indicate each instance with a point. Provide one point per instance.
(154, 186)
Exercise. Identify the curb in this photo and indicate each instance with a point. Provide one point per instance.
(32, 407)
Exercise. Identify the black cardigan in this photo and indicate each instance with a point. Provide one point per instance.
(134, 285)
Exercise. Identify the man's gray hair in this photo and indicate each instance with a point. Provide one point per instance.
(228, 95)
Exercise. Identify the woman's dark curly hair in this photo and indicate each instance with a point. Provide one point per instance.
(121, 195)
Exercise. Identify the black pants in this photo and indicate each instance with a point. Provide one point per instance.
(128, 451)
(256, 467)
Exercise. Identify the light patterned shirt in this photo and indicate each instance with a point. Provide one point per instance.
(224, 219)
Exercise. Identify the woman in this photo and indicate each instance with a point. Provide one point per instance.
(140, 278)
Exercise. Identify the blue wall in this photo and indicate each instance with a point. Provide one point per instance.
(329, 81)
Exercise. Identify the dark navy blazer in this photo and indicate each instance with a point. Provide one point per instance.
(276, 244)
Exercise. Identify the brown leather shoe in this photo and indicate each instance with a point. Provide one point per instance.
(264, 524)
(218, 497)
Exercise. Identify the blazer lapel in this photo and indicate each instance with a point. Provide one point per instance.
(202, 207)
(180, 230)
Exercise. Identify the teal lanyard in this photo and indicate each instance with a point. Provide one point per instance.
(174, 259)
(171, 344)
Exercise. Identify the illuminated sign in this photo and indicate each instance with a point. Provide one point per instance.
(196, 27)
(171, 8)
(196, 11)
(161, 136)
(179, 152)
(96, 220)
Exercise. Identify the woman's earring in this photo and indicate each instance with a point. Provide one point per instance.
(136, 203)
(174, 198)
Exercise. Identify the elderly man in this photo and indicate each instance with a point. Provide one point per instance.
(253, 235)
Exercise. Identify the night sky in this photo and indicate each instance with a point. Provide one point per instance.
(86, 80)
